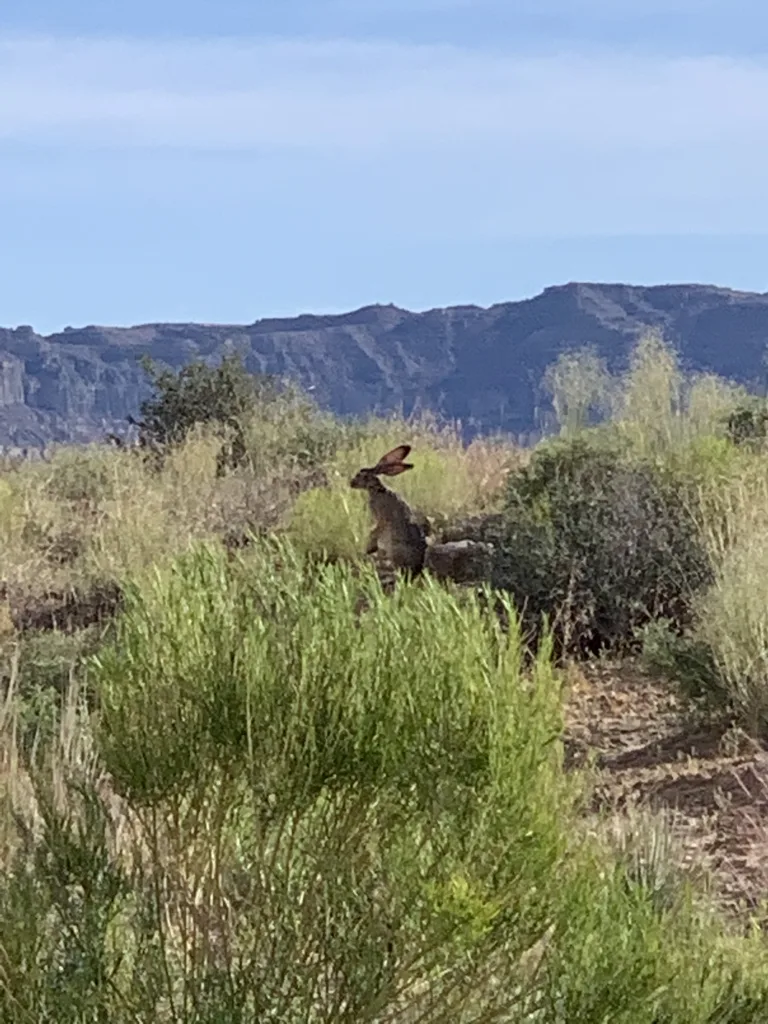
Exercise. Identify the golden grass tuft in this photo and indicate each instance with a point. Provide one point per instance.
(450, 480)
(732, 616)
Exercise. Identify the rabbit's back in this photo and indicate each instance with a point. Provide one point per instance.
(401, 539)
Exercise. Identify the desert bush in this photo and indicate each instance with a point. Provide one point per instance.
(99, 514)
(732, 622)
(651, 407)
(654, 407)
(42, 531)
(709, 403)
(358, 772)
(720, 661)
(599, 542)
(80, 476)
(292, 432)
(259, 418)
(289, 618)
(603, 529)
(660, 407)
(748, 423)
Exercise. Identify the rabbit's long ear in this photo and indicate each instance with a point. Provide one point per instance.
(393, 468)
(395, 456)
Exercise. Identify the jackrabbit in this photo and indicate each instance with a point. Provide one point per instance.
(399, 533)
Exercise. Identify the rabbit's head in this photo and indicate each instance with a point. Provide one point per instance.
(390, 464)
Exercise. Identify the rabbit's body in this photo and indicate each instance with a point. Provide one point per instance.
(399, 534)
(396, 534)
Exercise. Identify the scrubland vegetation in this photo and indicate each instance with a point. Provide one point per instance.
(240, 782)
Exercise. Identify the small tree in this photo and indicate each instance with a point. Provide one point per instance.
(198, 393)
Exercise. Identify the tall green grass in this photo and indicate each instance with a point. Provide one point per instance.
(301, 800)
(731, 627)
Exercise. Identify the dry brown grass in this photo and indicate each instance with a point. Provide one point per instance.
(95, 514)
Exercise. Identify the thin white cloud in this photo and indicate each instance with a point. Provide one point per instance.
(386, 140)
(368, 97)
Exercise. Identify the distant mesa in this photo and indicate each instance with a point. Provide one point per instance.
(481, 366)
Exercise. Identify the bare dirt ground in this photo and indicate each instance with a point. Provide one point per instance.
(647, 750)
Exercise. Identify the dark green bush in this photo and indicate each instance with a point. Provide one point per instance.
(748, 423)
(599, 543)
(199, 393)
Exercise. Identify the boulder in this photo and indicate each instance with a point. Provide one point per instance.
(463, 561)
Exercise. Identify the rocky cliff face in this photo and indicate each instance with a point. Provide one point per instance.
(482, 366)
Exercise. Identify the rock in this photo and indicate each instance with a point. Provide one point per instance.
(485, 529)
(463, 561)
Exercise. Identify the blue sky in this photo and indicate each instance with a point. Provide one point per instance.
(224, 160)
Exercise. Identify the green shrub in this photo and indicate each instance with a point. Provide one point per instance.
(392, 769)
(263, 422)
(598, 542)
(311, 803)
(207, 644)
